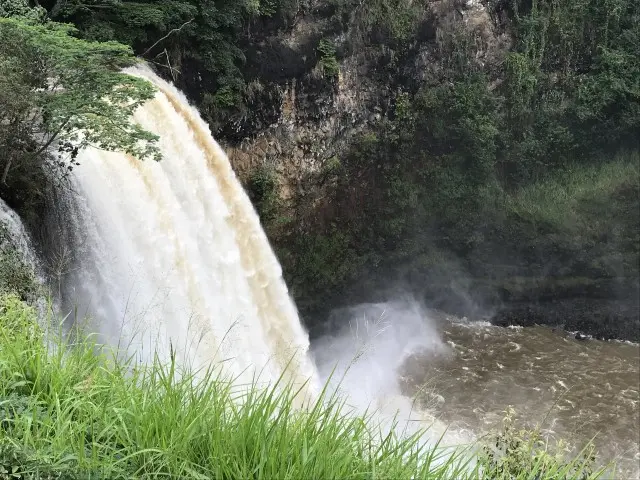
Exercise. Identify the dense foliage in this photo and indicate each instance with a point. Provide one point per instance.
(572, 84)
(60, 91)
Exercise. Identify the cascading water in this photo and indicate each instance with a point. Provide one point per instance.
(21, 266)
(170, 255)
(15, 237)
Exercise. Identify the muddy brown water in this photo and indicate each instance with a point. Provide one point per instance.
(575, 390)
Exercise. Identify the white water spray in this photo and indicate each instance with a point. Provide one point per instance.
(363, 358)
(171, 254)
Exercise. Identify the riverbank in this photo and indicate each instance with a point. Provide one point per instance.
(606, 309)
(604, 320)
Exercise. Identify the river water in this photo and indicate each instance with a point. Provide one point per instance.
(465, 375)
(575, 389)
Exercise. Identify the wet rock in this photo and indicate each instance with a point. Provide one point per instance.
(592, 317)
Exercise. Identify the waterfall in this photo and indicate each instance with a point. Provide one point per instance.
(14, 237)
(171, 256)
(21, 271)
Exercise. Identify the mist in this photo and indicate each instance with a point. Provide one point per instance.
(362, 357)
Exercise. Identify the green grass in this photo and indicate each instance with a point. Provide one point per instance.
(560, 200)
(69, 413)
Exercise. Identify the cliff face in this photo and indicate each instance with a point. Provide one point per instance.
(302, 115)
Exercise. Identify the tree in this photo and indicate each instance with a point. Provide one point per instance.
(58, 90)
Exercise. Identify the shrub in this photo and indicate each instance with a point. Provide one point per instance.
(328, 61)
(523, 453)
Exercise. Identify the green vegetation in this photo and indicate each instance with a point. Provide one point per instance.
(81, 98)
(390, 22)
(263, 191)
(59, 90)
(568, 202)
(571, 86)
(69, 413)
(328, 62)
(514, 450)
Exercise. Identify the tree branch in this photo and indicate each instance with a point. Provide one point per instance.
(5, 174)
(37, 153)
(171, 32)
(55, 134)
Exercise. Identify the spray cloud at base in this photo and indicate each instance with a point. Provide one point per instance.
(362, 360)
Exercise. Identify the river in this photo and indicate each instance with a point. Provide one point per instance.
(575, 389)
(466, 374)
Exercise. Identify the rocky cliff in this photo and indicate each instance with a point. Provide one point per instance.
(301, 115)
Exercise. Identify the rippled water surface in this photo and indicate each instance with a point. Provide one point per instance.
(575, 389)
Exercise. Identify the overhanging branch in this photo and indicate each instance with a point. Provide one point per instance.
(171, 32)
